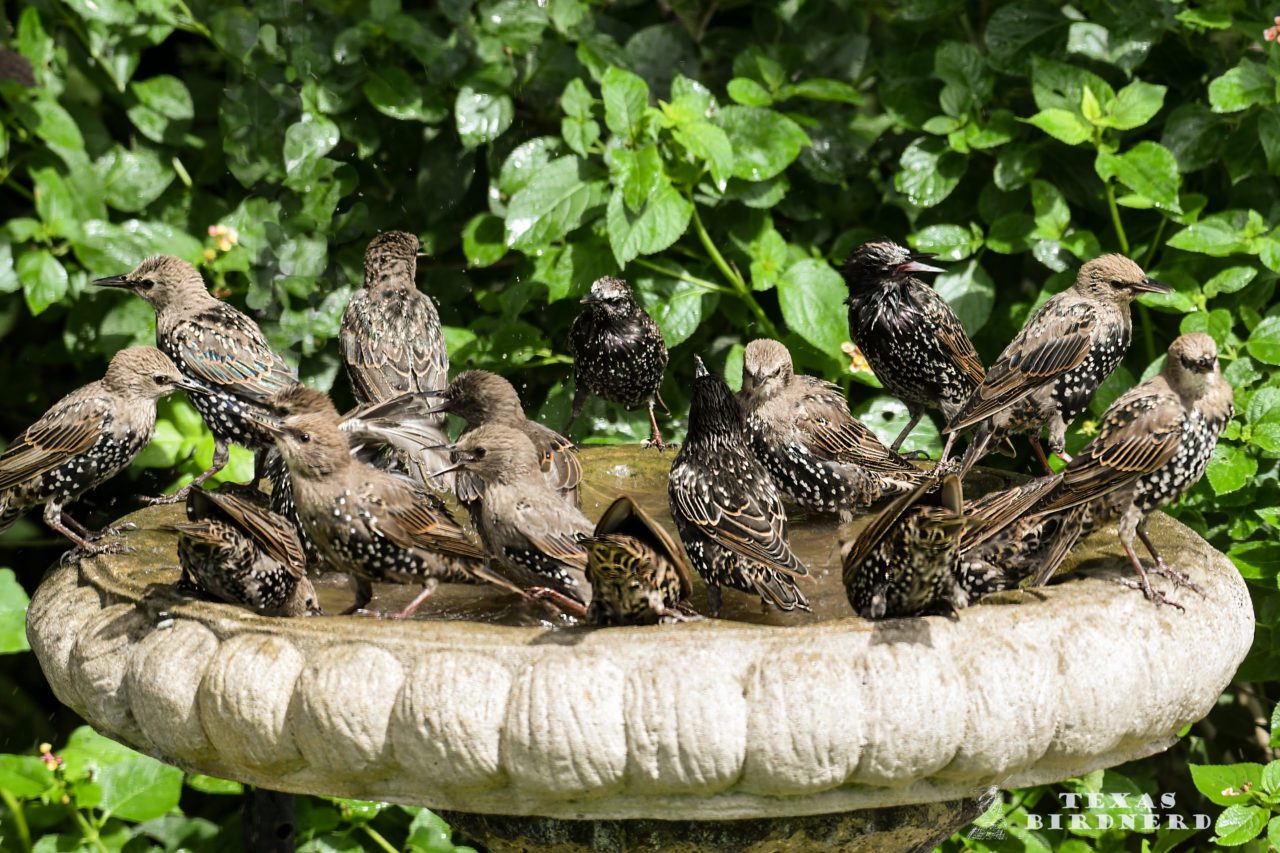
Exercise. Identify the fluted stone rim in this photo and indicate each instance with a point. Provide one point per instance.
(745, 721)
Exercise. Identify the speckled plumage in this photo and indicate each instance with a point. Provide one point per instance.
(909, 335)
(215, 344)
(234, 548)
(1049, 372)
(638, 575)
(820, 456)
(85, 439)
(618, 352)
(726, 508)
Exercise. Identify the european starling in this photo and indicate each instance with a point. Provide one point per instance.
(910, 336)
(366, 522)
(820, 456)
(1048, 373)
(236, 549)
(215, 344)
(727, 510)
(638, 575)
(1154, 444)
(524, 523)
(85, 439)
(618, 353)
(479, 398)
(391, 340)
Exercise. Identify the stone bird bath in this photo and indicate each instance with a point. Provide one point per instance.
(779, 733)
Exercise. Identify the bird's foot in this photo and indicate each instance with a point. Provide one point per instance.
(91, 549)
(656, 441)
(671, 617)
(1179, 579)
(114, 530)
(1153, 595)
(950, 466)
(161, 500)
(557, 599)
(915, 455)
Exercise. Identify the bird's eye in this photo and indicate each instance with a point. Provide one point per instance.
(146, 284)
(479, 452)
(1117, 283)
(160, 378)
(305, 437)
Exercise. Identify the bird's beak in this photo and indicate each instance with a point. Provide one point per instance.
(270, 423)
(188, 384)
(589, 299)
(462, 458)
(443, 405)
(1150, 285)
(916, 263)
(699, 369)
(114, 281)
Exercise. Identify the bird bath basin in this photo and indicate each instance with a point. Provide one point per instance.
(763, 731)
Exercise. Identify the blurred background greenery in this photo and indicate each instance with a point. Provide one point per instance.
(725, 155)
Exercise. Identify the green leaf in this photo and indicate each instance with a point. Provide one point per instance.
(970, 292)
(660, 222)
(1230, 280)
(481, 116)
(308, 140)
(161, 101)
(526, 161)
(1226, 784)
(24, 776)
(811, 295)
(928, 171)
(709, 144)
(1149, 169)
(675, 305)
(482, 240)
(764, 142)
(44, 280)
(1238, 824)
(1218, 235)
(768, 259)
(1247, 84)
(625, 98)
(49, 121)
(1230, 470)
(392, 92)
(1020, 30)
(131, 180)
(558, 199)
(580, 134)
(886, 416)
(749, 93)
(1062, 125)
(1264, 341)
(822, 89)
(1052, 215)
(948, 242)
(1134, 106)
(13, 613)
(428, 833)
(637, 172)
(123, 783)
(576, 100)
(213, 785)
(1271, 777)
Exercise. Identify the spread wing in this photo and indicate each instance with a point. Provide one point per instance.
(423, 522)
(68, 429)
(272, 532)
(225, 349)
(830, 432)
(392, 344)
(993, 512)
(1053, 342)
(626, 517)
(871, 535)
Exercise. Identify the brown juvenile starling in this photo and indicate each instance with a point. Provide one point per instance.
(215, 344)
(726, 508)
(1154, 444)
(912, 339)
(638, 575)
(391, 340)
(366, 522)
(618, 353)
(85, 439)
(820, 456)
(525, 524)
(1048, 373)
(237, 550)
(479, 398)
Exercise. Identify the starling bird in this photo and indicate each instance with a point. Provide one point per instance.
(237, 550)
(638, 575)
(391, 339)
(479, 398)
(618, 353)
(728, 513)
(525, 524)
(1154, 444)
(908, 333)
(820, 456)
(85, 439)
(366, 522)
(1048, 373)
(215, 344)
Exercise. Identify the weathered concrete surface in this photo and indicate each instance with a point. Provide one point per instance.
(819, 718)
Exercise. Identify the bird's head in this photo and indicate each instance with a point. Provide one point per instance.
(146, 373)
(496, 454)
(162, 280)
(613, 296)
(392, 256)
(713, 410)
(303, 601)
(1115, 278)
(307, 431)
(882, 261)
(478, 397)
(1192, 363)
(766, 367)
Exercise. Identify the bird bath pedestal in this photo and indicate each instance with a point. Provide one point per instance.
(795, 733)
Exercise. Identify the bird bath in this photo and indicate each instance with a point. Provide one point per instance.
(787, 732)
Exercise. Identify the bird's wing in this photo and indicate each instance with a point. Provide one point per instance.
(737, 520)
(1051, 344)
(991, 513)
(871, 535)
(273, 533)
(557, 457)
(953, 338)
(68, 429)
(225, 349)
(831, 432)
(1140, 433)
(626, 517)
(554, 534)
(420, 522)
(389, 352)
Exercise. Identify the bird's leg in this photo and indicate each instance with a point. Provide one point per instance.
(412, 606)
(363, 590)
(56, 521)
(580, 394)
(94, 536)
(946, 448)
(221, 455)
(1063, 455)
(1039, 452)
(655, 435)
(259, 465)
(1162, 568)
(1144, 582)
(714, 600)
(976, 449)
(916, 415)
(559, 599)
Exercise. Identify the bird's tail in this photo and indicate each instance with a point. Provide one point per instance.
(780, 590)
(8, 513)
(1060, 534)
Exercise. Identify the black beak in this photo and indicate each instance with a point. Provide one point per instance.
(114, 281)
(699, 369)
(187, 384)
(462, 458)
(1150, 285)
(590, 299)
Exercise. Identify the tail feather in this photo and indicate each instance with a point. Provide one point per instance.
(780, 590)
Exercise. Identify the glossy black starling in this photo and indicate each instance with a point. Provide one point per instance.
(727, 510)
(215, 344)
(85, 439)
(391, 340)
(235, 549)
(479, 398)
(524, 523)
(366, 522)
(1154, 444)
(618, 353)
(909, 335)
(1048, 373)
(638, 574)
(820, 456)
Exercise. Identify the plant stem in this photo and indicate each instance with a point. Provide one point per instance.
(19, 818)
(735, 278)
(88, 831)
(681, 276)
(1115, 218)
(1155, 242)
(377, 838)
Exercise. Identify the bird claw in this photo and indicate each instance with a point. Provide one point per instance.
(115, 530)
(94, 548)
(658, 443)
(161, 500)
(1153, 595)
(557, 599)
(1179, 579)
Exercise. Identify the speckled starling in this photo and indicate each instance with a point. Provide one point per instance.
(365, 521)
(1048, 373)
(618, 353)
(1154, 444)
(727, 510)
(479, 398)
(820, 456)
(524, 523)
(909, 335)
(235, 549)
(86, 438)
(638, 575)
(215, 344)
(391, 340)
